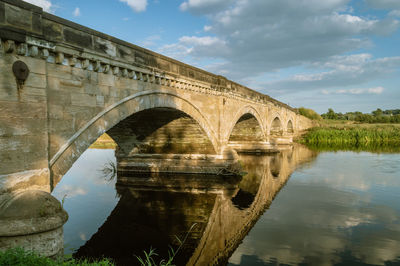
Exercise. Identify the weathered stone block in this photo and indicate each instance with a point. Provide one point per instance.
(63, 127)
(106, 79)
(52, 30)
(32, 95)
(18, 17)
(2, 13)
(56, 111)
(79, 38)
(59, 71)
(8, 92)
(37, 22)
(59, 97)
(105, 46)
(16, 110)
(22, 126)
(81, 99)
(11, 160)
(36, 80)
(100, 100)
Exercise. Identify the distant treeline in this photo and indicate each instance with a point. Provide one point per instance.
(377, 116)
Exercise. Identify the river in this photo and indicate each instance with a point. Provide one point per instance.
(297, 207)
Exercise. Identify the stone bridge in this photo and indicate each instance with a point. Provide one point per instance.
(63, 85)
(82, 83)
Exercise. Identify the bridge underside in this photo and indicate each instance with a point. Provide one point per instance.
(160, 131)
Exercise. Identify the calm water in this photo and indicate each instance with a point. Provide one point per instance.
(298, 207)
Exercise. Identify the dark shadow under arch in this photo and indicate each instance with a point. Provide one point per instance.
(247, 128)
(161, 131)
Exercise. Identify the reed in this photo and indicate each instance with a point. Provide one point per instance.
(354, 137)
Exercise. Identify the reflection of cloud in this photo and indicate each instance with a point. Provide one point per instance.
(70, 190)
(356, 171)
(323, 213)
(82, 236)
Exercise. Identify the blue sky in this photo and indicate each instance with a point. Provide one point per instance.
(338, 54)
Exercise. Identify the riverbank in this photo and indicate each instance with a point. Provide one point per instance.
(20, 257)
(104, 142)
(341, 135)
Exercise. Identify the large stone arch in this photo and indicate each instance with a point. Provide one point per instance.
(115, 113)
(243, 111)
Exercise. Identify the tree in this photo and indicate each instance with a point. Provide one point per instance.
(377, 112)
(331, 114)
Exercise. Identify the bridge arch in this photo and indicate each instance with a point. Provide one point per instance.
(275, 125)
(114, 114)
(289, 126)
(247, 112)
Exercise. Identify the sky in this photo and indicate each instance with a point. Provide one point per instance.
(318, 54)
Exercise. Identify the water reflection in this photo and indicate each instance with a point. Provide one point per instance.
(341, 209)
(153, 210)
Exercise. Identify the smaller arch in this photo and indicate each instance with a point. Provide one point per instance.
(276, 127)
(246, 112)
(289, 127)
(247, 128)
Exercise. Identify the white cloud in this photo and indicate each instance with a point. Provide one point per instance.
(150, 41)
(376, 90)
(204, 6)
(45, 4)
(395, 13)
(207, 28)
(197, 47)
(77, 12)
(258, 36)
(339, 71)
(136, 5)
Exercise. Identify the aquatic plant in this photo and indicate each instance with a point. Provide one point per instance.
(354, 137)
(109, 170)
(149, 257)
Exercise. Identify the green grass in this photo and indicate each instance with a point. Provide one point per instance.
(356, 137)
(20, 257)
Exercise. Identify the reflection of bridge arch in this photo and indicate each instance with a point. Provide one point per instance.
(114, 114)
(164, 207)
(223, 239)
